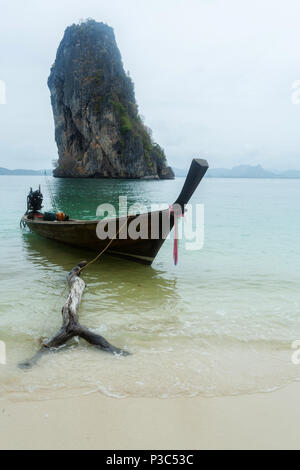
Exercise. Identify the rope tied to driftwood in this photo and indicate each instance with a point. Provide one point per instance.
(71, 327)
(75, 273)
(85, 264)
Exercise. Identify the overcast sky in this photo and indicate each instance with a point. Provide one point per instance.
(213, 78)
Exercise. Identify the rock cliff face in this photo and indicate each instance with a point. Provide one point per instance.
(98, 130)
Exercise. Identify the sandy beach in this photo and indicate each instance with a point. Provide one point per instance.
(261, 421)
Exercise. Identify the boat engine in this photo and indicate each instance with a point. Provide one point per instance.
(34, 202)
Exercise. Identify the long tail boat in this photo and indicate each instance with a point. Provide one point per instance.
(85, 234)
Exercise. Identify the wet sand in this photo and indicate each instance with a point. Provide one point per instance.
(260, 421)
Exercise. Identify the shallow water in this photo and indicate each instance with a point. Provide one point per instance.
(221, 322)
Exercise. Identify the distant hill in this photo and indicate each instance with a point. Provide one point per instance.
(290, 174)
(179, 173)
(6, 172)
(241, 171)
(245, 171)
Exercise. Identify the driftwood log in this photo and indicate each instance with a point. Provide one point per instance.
(71, 327)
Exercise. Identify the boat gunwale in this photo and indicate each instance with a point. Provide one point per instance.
(59, 223)
(88, 222)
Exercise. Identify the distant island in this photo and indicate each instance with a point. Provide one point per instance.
(6, 172)
(241, 171)
(245, 171)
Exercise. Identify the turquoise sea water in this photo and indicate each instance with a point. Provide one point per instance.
(221, 322)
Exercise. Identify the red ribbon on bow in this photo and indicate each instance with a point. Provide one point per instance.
(175, 248)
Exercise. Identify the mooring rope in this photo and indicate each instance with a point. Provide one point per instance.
(84, 267)
(106, 248)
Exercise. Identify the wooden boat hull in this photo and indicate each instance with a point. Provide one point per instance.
(83, 234)
(144, 249)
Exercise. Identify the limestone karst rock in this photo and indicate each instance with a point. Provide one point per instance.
(98, 130)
